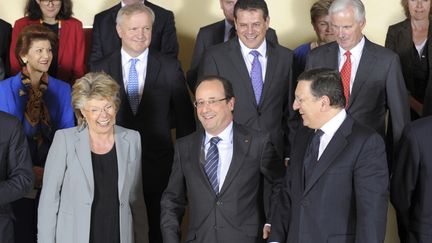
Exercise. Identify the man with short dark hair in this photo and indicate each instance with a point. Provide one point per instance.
(260, 72)
(5, 39)
(221, 172)
(336, 186)
(16, 175)
(216, 33)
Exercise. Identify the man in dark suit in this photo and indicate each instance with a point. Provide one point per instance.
(16, 175)
(374, 82)
(5, 38)
(216, 33)
(411, 183)
(259, 70)
(336, 185)
(153, 95)
(222, 173)
(105, 38)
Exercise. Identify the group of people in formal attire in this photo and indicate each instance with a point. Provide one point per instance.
(285, 146)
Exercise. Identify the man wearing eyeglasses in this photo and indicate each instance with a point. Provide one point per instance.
(223, 172)
(153, 96)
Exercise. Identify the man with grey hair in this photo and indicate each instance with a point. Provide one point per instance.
(371, 74)
(336, 187)
(105, 38)
(153, 97)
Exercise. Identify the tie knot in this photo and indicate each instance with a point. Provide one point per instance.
(133, 61)
(347, 54)
(319, 133)
(215, 140)
(255, 53)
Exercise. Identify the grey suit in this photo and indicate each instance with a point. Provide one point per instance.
(345, 198)
(207, 37)
(272, 114)
(66, 199)
(378, 86)
(238, 213)
(16, 176)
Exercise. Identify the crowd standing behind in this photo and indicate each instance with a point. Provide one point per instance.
(44, 53)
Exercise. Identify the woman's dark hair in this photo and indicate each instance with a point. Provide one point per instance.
(32, 33)
(33, 11)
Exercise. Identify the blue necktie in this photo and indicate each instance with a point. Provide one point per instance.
(256, 76)
(211, 166)
(311, 156)
(133, 93)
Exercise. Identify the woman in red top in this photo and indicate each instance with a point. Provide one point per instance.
(68, 60)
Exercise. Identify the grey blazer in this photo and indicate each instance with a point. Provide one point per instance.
(378, 86)
(68, 187)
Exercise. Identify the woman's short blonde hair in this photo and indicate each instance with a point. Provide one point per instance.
(93, 86)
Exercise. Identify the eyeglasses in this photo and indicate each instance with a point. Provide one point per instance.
(54, 2)
(202, 103)
(97, 111)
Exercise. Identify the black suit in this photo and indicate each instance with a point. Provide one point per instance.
(411, 183)
(207, 37)
(5, 39)
(345, 197)
(272, 114)
(16, 175)
(165, 98)
(238, 213)
(399, 39)
(105, 38)
(378, 86)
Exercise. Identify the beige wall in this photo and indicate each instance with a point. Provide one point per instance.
(290, 18)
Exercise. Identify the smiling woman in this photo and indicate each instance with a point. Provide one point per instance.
(92, 186)
(68, 57)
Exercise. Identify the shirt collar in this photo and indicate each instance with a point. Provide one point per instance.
(123, 4)
(330, 127)
(126, 57)
(356, 51)
(262, 49)
(225, 135)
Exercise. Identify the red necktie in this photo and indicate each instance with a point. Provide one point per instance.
(346, 75)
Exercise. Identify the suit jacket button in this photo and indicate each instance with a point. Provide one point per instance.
(218, 203)
(305, 203)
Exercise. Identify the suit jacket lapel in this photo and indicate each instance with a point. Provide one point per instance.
(241, 143)
(333, 55)
(272, 57)
(298, 154)
(367, 63)
(239, 64)
(116, 72)
(83, 153)
(152, 72)
(122, 150)
(198, 158)
(334, 148)
(219, 33)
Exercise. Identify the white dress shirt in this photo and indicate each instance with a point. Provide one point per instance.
(141, 67)
(248, 58)
(356, 53)
(225, 148)
(329, 129)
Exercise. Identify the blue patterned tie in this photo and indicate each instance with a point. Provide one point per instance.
(133, 94)
(256, 76)
(211, 166)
